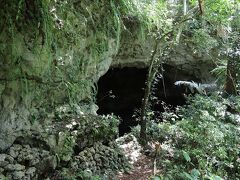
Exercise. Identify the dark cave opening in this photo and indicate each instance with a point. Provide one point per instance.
(120, 91)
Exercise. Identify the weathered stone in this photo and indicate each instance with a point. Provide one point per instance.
(14, 167)
(44, 153)
(3, 163)
(47, 164)
(34, 162)
(2, 177)
(31, 171)
(18, 174)
(17, 147)
(13, 152)
(11, 126)
(35, 151)
(26, 146)
(10, 159)
(2, 157)
(27, 177)
(52, 141)
(1, 171)
(29, 157)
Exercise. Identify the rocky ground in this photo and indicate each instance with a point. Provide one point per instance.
(142, 165)
(142, 170)
(24, 162)
(67, 151)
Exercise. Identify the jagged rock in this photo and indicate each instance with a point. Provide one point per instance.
(3, 163)
(74, 165)
(17, 147)
(52, 141)
(1, 171)
(26, 146)
(30, 162)
(34, 159)
(34, 162)
(44, 153)
(10, 159)
(29, 157)
(100, 159)
(92, 150)
(35, 151)
(31, 171)
(13, 152)
(130, 146)
(47, 165)
(9, 120)
(2, 157)
(14, 167)
(18, 174)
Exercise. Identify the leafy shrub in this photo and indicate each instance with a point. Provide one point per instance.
(204, 143)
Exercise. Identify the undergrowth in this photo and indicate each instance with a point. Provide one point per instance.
(201, 140)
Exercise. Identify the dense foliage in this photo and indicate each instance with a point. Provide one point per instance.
(51, 52)
(201, 140)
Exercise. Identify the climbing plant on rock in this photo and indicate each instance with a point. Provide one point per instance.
(164, 42)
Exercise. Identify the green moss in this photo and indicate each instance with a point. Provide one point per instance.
(54, 49)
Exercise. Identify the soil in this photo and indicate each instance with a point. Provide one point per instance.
(142, 169)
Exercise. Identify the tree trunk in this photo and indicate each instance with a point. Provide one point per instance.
(230, 85)
(200, 5)
(231, 79)
(152, 72)
(150, 76)
(184, 7)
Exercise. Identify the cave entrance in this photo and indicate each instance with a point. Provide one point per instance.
(120, 91)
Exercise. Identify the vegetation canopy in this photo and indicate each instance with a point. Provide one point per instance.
(52, 55)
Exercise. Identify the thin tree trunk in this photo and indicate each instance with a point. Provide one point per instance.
(184, 7)
(151, 75)
(230, 85)
(181, 27)
(201, 6)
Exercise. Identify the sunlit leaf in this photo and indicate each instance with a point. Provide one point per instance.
(186, 156)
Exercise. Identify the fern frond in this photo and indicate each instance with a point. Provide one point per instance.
(191, 85)
(197, 87)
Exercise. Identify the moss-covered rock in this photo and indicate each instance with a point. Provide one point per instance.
(52, 53)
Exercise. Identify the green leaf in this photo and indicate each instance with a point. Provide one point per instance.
(157, 178)
(195, 173)
(186, 156)
(188, 176)
(216, 178)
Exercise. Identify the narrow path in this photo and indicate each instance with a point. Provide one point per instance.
(143, 166)
(142, 170)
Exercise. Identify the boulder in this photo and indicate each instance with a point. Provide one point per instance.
(15, 167)
(18, 174)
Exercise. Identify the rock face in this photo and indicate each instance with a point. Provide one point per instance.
(56, 58)
(13, 121)
(24, 162)
(77, 144)
(44, 66)
(101, 159)
(135, 53)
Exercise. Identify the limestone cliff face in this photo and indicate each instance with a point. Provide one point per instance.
(135, 53)
(55, 57)
(50, 58)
